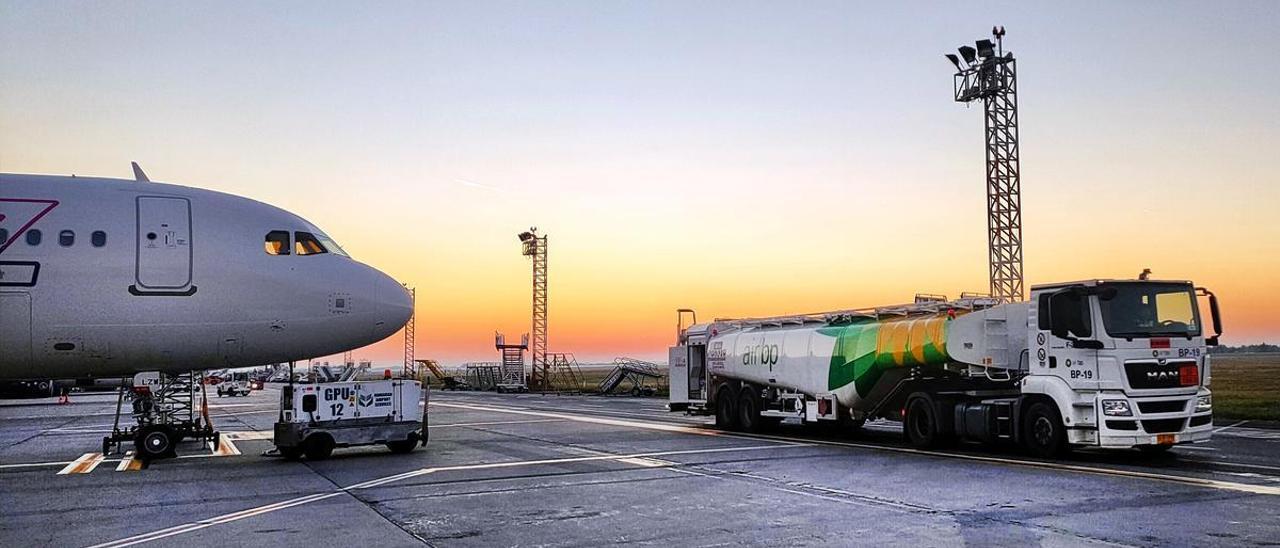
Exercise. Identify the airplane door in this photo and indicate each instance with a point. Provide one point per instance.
(164, 243)
(15, 331)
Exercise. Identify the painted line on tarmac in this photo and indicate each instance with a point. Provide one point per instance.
(1184, 480)
(665, 426)
(34, 464)
(225, 448)
(248, 435)
(379, 482)
(83, 465)
(1229, 426)
(492, 423)
(129, 464)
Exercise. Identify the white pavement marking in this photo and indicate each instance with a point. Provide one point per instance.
(129, 464)
(248, 435)
(33, 464)
(492, 423)
(257, 511)
(1185, 480)
(1216, 430)
(597, 420)
(83, 465)
(226, 447)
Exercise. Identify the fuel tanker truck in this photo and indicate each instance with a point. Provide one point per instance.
(1102, 363)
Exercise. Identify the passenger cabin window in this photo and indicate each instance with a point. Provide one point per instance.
(66, 238)
(277, 242)
(305, 243)
(33, 237)
(98, 238)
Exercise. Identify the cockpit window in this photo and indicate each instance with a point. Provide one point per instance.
(331, 245)
(305, 243)
(277, 242)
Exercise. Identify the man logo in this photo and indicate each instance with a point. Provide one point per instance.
(1161, 375)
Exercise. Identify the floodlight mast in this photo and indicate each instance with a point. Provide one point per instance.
(535, 247)
(990, 75)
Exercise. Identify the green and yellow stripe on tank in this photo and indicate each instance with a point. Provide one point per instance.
(865, 349)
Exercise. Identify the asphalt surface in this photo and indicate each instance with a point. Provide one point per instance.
(531, 470)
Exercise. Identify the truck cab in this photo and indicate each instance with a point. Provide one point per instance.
(1123, 362)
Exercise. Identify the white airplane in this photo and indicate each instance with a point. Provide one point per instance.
(110, 277)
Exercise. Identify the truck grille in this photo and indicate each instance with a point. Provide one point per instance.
(1174, 406)
(1149, 375)
(1162, 426)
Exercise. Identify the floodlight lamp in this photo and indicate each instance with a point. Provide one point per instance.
(968, 53)
(985, 48)
(526, 236)
(955, 61)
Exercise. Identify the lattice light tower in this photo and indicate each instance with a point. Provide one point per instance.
(410, 367)
(535, 247)
(989, 74)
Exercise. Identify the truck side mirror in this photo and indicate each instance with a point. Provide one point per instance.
(309, 403)
(1217, 318)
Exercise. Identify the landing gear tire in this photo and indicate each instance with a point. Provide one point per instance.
(921, 423)
(635, 392)
(726, 410)
(749, 410)
(318, 447)
(155, 442)
(403, 446)
(1043, 434)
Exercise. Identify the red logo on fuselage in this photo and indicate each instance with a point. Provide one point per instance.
(18, 214)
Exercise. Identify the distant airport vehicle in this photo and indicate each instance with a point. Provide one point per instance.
(1103, 363)
(236, 384)
(107, 278)
(316, 418)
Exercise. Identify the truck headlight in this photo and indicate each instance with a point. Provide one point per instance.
(1204, 403)
(1116, 408)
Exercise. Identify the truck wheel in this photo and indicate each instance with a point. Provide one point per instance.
(726, 410)
(1043, 433)
(921, 423)
(155, 441)
(403, 446)
(318, 447)
(749, 410)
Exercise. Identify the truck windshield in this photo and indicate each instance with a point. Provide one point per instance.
(1147, 309)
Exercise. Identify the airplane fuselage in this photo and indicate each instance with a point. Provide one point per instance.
(104, 277)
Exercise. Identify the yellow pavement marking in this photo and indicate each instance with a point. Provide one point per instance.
(226, 448)
(129, 464)
(83, 465)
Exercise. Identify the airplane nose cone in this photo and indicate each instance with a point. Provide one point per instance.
(395, 306)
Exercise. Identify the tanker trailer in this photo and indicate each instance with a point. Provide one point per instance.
(1107, 363)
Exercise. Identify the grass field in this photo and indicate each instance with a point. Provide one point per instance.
(1246, 386)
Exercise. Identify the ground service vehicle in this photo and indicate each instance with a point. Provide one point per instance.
(316, 418)
(1104, 363)
(236, 384)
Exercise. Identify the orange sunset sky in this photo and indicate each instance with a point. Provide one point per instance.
(738, 159)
